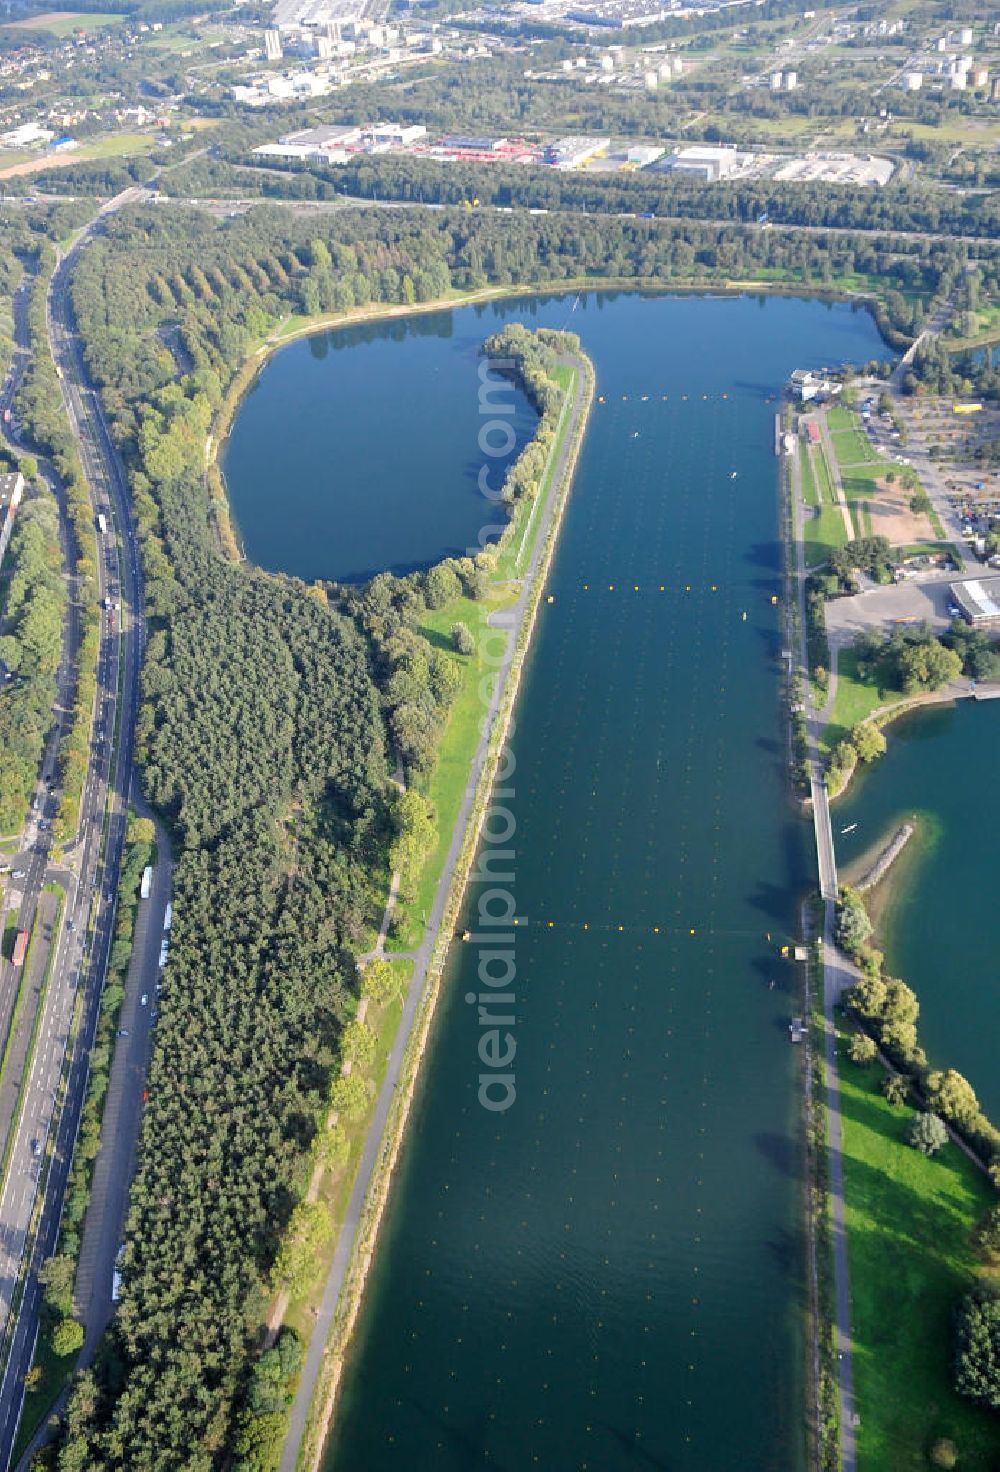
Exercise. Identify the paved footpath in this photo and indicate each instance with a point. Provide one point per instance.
(513, 618)
(837, 975)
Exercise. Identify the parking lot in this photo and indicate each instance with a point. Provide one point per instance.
(890, 607)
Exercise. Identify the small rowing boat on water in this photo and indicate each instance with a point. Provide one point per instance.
(849, 829)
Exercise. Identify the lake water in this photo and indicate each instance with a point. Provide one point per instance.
(609, 1274)
(938, 934)
(341, 463)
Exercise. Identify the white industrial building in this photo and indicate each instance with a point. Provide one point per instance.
(292, 87)
(294, 15)
(310, 142)
(710, 164)
(979, 600)
(393, 135)
(913, 81)
(26, 135)
(570, 153)
(642, 154)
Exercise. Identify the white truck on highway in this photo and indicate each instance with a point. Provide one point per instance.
(102, 523)
(147, 882)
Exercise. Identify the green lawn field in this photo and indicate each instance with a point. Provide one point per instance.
(823, 532)
(908, 1221)
(65, 22)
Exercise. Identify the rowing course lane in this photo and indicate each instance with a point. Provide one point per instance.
(609, 1274)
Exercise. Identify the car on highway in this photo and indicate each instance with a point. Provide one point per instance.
(144, 999)
(36, 1148)
(19, 874)
(123, 1032)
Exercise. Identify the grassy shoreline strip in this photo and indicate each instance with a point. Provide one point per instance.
(347, 1310)
(449, 778)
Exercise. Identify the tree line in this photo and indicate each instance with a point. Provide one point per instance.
(32, 603)
(889, 1011)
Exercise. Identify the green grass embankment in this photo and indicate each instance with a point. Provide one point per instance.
(810, 494)
(851, 448)
(824, 532)
(449, 778)
(447, 782)
(909, 1219)
(854, 701)
(336, 1186)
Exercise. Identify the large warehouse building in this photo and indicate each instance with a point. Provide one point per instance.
(979, 600)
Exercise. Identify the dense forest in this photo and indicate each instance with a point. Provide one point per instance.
(261, 740)
(32, 602)
(271, 714)
(252, 271)
(894, 208)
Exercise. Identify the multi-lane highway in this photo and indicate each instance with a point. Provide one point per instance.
(44, 1132)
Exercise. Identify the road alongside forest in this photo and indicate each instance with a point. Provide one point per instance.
(92, 879)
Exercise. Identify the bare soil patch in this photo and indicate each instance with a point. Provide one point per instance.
(892, 517)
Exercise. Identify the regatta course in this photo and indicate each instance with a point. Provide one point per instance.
(608, 1271)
